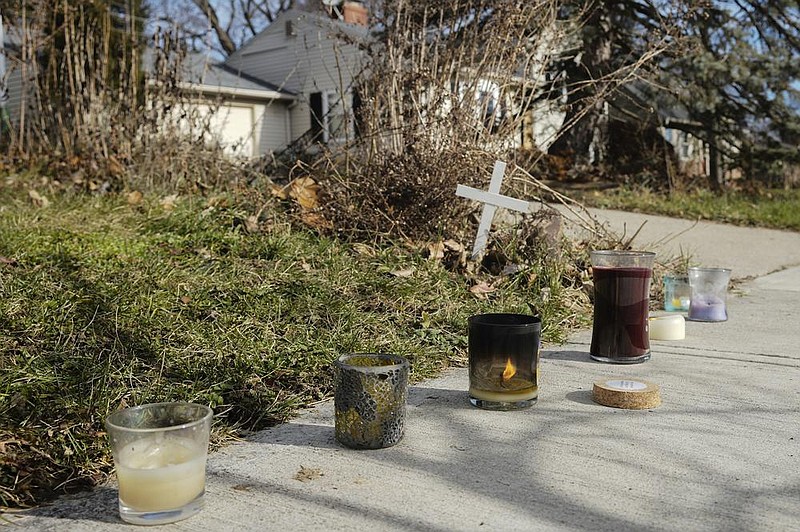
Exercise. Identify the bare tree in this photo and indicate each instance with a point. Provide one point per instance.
(221, 25)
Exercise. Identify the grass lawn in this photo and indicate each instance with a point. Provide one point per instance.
(223, 301)
(778, 209)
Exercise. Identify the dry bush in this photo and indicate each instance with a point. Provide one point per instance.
(446, 90)
(449, 87)
(410, 194)
(102, 107)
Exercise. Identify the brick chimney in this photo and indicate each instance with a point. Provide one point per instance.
(355, 13)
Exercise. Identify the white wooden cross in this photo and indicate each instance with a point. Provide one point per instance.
(491, 200)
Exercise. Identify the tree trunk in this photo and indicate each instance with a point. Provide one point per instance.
(586, 136)
(714, 166)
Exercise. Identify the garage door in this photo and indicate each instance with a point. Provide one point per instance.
(232, 126)
(235, 126)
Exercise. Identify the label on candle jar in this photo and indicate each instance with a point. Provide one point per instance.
(626, 385)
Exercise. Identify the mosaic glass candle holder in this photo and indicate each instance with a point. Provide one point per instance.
(370, 400)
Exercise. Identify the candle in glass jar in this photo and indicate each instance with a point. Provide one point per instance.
(500, 384)
(158, 474)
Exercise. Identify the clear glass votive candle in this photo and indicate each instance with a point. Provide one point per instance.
(160, 452)
(370, 399)
(709, 294)
(677, 293)
(504, 360)
(620, 331)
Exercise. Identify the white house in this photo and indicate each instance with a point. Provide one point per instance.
(291, 82)
(247, 115)
(314, 57)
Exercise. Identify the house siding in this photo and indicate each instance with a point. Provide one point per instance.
(312, 60)
(15, 87)
(272, 123)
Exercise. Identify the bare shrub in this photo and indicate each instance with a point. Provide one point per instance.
(446, 90)
(409, 194)
(102, 107)
(455, 83)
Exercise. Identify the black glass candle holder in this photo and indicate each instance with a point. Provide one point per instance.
(504, 360)
(370, 400)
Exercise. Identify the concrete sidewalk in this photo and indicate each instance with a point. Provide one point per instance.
(721, 453)
(749, 251)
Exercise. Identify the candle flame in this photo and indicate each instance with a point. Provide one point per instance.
(510, 370)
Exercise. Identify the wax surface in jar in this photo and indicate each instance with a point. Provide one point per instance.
(505, 397)
(708, 308)
(622, 296)
(161, 475)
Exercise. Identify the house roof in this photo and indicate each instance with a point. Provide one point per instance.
(202, 74)
(643, 98)
(336, 26)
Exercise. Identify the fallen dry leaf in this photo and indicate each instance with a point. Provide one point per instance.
(436, 250)
(402, 273)
(134, 198)
(186, 300)
(7, 261)
(38, 199)
(363, 249)
(168, 202)
(307, 474)
(452, 245)
(481, 289)
(280, 192)
(251, 224)
(305, 191)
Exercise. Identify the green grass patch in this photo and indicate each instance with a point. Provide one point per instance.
(104, 304)
(778, 209)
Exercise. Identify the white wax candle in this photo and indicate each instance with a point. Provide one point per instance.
(161, 475)
(672, 327)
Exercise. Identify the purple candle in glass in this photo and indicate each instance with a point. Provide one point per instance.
(709, 290)
(621, 300)
(708, 308)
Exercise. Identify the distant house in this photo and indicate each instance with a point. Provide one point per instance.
(247, 115)
(315, 57)
(290, 83)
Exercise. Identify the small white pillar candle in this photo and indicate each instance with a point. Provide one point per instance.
(672, 327)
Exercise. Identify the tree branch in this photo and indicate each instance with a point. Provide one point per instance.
(224, 37)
